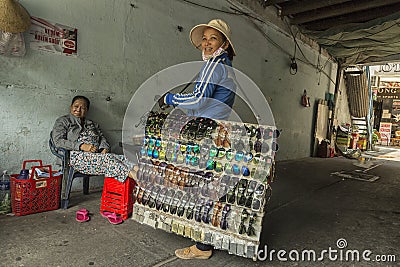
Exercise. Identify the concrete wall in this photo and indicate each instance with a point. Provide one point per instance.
(121, 44)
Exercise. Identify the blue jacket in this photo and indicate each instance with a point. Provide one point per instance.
(214, 91)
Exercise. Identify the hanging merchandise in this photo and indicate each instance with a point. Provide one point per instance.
(14, 20)
(5, 202)
(208, 180)
(305, 100)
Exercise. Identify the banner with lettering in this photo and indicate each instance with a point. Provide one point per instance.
(53, 37)
(385, 130)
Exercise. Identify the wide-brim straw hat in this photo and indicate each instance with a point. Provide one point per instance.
(13, 17)
(196, 34)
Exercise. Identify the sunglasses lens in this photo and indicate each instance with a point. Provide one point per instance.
(213, 151)
(196, 148)
(235, 169)
(183, 148)
(245, 171)
(276, 133)
(239, 156)
(143, 151)
(275, 146)
(180, 158)
(210, 164)
(229, 154)
(151, 142)
(221, 152)
(242, 228)
(248, 157)
(149, 152)
(194, 161)
(158, 142)
(268, 133)
(228, 168)
(155, 154)
(218, 167)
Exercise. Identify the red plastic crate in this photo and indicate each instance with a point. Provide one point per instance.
(35, 195)
(117, 197)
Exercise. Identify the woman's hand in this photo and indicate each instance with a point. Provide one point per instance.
(104, 151)
(88, 148)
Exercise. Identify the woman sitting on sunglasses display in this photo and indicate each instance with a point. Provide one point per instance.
(89, 149)
(213, 94)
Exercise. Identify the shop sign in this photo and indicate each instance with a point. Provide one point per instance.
(388, 92)
(53, 37)
(385, 130)
(389, 68)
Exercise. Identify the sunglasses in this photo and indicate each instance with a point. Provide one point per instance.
(168, 199)
(206, 216)
(249, 193)
(139, 195)
(199, 206)
(198, 128)
(214, 165)
(224, 217)
(182, 205)
(251, 231)
(269, 133)
(161, 197)
(242, 228)
(215, 217)
(222, 142)
(237, 170)
(175, 201)
(241, 189)
(190, 208)
(153, 195)
(223, 188)
(258, 198)
(231, 196)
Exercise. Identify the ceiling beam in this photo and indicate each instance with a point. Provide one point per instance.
(295, 7)
(357, 17)
(338, 10)
(266, 3)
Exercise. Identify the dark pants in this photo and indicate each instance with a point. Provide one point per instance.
(203, 247)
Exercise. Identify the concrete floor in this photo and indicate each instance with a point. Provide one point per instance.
(309, 209)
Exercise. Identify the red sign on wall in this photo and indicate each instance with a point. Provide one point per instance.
(53, 37)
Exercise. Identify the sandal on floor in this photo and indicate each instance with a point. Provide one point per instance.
(82, 215)
(105, 214)
(112, 217)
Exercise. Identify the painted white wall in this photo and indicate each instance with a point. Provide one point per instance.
(120, 45)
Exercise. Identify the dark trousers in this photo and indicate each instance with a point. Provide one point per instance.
(203, 247)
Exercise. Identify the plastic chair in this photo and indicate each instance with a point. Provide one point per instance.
(63, 154)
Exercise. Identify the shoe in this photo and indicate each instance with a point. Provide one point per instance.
(193, 252)
(105, 214)
(112, 217)
(82, 215)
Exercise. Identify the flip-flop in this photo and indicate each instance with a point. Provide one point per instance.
(113, 218)
(105, 214)
(82, 215)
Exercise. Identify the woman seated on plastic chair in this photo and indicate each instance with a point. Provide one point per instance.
(89, 148)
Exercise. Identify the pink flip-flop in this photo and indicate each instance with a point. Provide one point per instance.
(113, 218)
(82, 215)
(105, 214)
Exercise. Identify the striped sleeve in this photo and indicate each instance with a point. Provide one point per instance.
(204, 88)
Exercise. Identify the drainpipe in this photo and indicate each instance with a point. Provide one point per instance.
(337, 84)
(370, 111)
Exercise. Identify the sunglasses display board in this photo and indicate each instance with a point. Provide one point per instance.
(208, 180)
